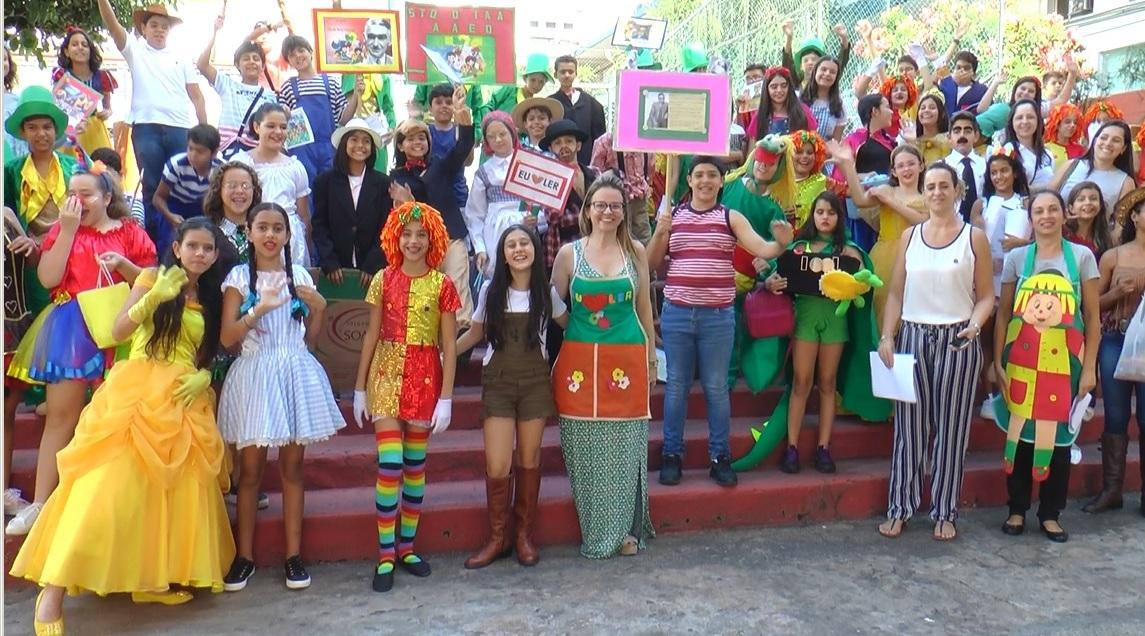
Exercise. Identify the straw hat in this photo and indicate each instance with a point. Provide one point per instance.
(1127, 203)
(139, 16)
(555, 108)
(356, 124)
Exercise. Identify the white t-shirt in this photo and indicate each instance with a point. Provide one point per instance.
(1004, 217)
(518, 304)
(159, 81)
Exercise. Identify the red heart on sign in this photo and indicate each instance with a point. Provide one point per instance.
(537, 178)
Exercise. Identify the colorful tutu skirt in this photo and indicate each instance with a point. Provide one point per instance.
(58, 347)
(139, 506)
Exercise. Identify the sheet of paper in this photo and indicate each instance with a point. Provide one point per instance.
(896, 383)
(1077, 412)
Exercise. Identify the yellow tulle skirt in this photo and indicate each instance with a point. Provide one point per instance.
(883, 254)
(140, 505)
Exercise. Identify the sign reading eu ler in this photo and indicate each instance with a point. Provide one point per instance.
(539, 179)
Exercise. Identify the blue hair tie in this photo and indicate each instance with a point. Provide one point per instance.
(248, 304)
(296, 305)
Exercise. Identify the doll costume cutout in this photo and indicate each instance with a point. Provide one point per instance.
(1045, 342)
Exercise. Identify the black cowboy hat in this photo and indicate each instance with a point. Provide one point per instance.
(562, 128)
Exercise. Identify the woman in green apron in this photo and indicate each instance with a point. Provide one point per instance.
(602, 376)
(1046, 334)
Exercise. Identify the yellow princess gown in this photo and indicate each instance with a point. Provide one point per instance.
(139, 506)
(885, 249)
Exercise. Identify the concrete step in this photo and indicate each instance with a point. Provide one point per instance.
(467, 411)
(340, 522)
(350, 460)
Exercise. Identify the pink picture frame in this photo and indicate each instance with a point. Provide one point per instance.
(673, 113)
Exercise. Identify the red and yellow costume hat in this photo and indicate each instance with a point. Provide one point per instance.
(888, 85)
(801, 139)
(1058, 114)
(1098, 107)
(429, 218)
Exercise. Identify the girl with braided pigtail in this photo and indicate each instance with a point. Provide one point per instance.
(403, 385)
(276, 393)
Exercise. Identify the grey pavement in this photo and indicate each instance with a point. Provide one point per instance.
(840, 578)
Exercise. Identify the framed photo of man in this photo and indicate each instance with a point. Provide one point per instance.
(357, 41)
(675, 113)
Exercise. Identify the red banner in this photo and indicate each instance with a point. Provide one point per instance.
(475, 42)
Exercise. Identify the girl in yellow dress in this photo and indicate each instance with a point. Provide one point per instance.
(929, 131)
(140, 505)
(900, 206)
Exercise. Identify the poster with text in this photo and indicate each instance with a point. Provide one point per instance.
(475, 42)
(675, 113)
(539, 179)
(357, 41)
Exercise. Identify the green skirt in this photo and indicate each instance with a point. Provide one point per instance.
(607, 464)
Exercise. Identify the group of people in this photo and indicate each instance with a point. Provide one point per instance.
(192, 319)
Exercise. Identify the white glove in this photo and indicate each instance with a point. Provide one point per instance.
(442, 414)
(361, 414)
(876, 66)
(918, 54)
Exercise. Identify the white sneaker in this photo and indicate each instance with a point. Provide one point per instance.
(13, 502)
(987, 411)
(21, 524)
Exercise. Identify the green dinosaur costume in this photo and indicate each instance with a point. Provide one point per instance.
(854, 379)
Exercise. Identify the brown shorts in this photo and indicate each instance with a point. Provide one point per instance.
(517, 386)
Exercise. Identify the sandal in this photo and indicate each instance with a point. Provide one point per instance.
(629, 546)
(938, 527)
(887, 528)
(170, 597)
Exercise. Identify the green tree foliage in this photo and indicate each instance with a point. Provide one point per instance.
(34, 27)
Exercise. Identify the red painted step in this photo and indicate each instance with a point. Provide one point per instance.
(467, 411)
(350, 460)
(340, 523)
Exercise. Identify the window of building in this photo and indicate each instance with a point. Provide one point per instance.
(551, 25)
(534, 23)
(568, 25)
(1124, 67)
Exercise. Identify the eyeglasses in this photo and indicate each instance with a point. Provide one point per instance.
(231, 187)
(601, 206)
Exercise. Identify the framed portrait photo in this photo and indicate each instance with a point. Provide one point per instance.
(357, 41)
(639, 33)
(676, 113)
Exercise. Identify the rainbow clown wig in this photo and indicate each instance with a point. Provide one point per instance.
(429, 218)
(802, 139)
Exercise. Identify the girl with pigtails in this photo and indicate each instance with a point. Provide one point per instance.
(405, 375)
(276, 393)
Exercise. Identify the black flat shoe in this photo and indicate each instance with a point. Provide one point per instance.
(419, 567)
(1056, 537)
(383, 582)
(1013, 529)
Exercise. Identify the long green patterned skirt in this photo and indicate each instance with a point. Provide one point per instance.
(607, 464)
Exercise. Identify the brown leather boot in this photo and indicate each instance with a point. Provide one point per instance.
(1112, 474)
(525, 511)
(497, 495)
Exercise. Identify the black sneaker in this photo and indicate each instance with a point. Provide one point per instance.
(297, 578)
(790, 463)
(383, 582)
(415, 565)
(263, 501)
(240, 572)
(232, 498)
(722, 471)
(670, 470)
(823, 461)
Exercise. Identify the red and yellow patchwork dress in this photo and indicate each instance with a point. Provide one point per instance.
(405, 372)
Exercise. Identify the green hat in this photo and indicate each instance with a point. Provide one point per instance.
(36, 101)
(693, 57)
(538, 63)
(645, 62)
(810, 45)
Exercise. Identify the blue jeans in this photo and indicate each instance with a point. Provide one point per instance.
(1117, 393)
(703, 335)
(154, 144)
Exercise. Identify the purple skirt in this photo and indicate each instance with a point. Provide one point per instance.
(64, 349)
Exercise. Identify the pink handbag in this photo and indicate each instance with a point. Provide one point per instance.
(768, 315)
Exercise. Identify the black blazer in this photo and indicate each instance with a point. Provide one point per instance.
(343, 231)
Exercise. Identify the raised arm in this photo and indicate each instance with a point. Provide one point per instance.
(756, 244)
(118, 33)
(204, 62)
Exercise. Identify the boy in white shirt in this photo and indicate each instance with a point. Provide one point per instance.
(163, 86)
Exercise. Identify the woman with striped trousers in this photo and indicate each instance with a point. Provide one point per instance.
(942, 290)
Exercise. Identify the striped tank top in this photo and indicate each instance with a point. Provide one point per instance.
(701, 246)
